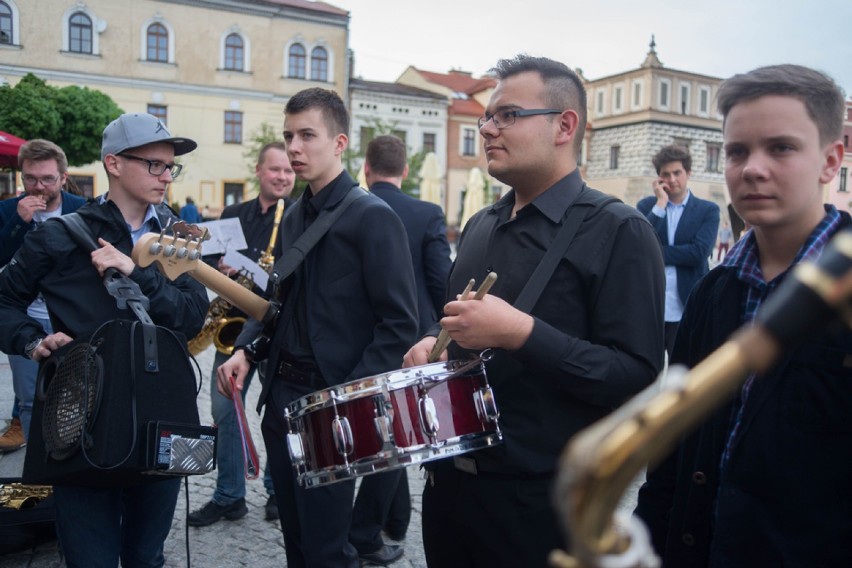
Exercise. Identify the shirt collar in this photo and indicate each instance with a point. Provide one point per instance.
(682, 203)
(553, 203)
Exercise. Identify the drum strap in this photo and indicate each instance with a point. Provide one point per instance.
(587, 205)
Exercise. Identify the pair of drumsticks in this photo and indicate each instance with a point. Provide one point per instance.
(444, 337)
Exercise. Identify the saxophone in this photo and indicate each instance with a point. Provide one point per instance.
(219, 329)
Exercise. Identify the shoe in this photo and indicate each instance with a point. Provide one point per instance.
(387, 554)
(393, 535)
(271, 508)
(13, 439)
(212, 512)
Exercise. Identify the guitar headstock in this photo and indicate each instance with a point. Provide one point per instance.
(173, 254)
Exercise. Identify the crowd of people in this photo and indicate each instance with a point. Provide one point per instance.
(763, 482)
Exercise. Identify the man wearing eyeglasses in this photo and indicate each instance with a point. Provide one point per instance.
(44, 170)
(100, 526)
(593, 338)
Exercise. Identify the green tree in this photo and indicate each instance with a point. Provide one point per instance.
(264, 134)
(72, 117)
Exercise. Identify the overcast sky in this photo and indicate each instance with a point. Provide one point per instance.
(603, 37)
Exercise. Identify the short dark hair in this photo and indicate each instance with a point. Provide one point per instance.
(563, 88)
(386, 155)
(39, 150)
(669, 154)
(822, 97)
(266, 147)
(332, 107)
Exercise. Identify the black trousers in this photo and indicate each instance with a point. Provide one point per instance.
(315, 521)
(372, 509)
(488, 520)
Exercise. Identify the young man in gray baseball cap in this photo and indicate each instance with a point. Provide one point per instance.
(100, 526)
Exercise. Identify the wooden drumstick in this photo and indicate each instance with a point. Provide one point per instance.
(444, 337)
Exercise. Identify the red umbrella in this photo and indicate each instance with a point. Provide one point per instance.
(9, 147)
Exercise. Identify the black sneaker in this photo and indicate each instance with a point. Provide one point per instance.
(212, 512)
(271, 508)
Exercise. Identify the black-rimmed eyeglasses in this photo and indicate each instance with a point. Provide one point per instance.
(156, 167)
(46, 181)
(504, 118)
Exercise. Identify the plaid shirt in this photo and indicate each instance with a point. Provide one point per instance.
(744, 258)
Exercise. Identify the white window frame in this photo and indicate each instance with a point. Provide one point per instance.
(701, 90)
(668, 84)
(600, 102)
(307, 47)
(143, 39)
(618, 99)
(462, 131)
(684, 109)
(16, 24)
(97, 27)
(637, 83)
(329, 60)
(246, 49)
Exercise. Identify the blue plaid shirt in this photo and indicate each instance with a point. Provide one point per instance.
(744, 258)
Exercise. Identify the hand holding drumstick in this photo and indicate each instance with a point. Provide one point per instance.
(444, 337)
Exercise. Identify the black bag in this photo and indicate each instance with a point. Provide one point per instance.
(22, 529)
(117, 408)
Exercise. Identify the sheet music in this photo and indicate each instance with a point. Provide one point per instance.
(225, 235)
(240, 261)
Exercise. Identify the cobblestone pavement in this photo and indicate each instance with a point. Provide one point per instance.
(250, 541)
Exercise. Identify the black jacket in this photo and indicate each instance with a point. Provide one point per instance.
(785, 497)
(51, 262)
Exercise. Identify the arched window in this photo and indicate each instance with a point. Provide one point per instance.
(80, 33)
(234, 53)
(6, 24)
(158, 43)
(296, 61)
(319, 64)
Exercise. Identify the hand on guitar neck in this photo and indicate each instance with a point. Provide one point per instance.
(176, 255)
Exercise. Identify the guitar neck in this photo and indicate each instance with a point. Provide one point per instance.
(246, 300)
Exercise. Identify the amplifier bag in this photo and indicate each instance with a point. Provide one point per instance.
(100, 401)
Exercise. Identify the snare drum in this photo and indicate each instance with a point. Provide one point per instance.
(392, 420)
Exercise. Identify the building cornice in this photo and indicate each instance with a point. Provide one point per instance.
(91, 79)
(271, 10)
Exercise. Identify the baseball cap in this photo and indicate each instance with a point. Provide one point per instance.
(132, 130)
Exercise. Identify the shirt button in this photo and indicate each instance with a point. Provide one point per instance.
(688, 539)
(699, 478)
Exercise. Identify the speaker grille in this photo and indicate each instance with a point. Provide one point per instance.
(71, 401)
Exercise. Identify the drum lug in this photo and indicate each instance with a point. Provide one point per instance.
(343, 440)
(297, 449)
(382, 424)
(428, 416)
(486, 407)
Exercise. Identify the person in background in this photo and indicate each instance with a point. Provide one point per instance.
(589, 343)
(275, 178)
(686, 227)
(383, 499)
(189, 212)
(764, 481)
(725, 236)
(354, 310)
(44, 172)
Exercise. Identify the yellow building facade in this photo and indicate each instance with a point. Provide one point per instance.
(214, 71)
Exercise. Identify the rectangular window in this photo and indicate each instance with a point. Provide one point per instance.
(468, 142)
(85, 184)
(599, 105)
(637, 95)
(846, 141)
(233, 193)
(401, 134)
(161, 112)
(665, 87)
(428, 141)
(613, 157)
(233, 127)
(684, 98)
(704, 101)
(843, 180)
(714, 151)
(618, 95)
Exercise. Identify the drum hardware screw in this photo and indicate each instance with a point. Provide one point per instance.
(428, 416)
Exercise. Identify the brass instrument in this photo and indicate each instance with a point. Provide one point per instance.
(219, 329)
(600, 462)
